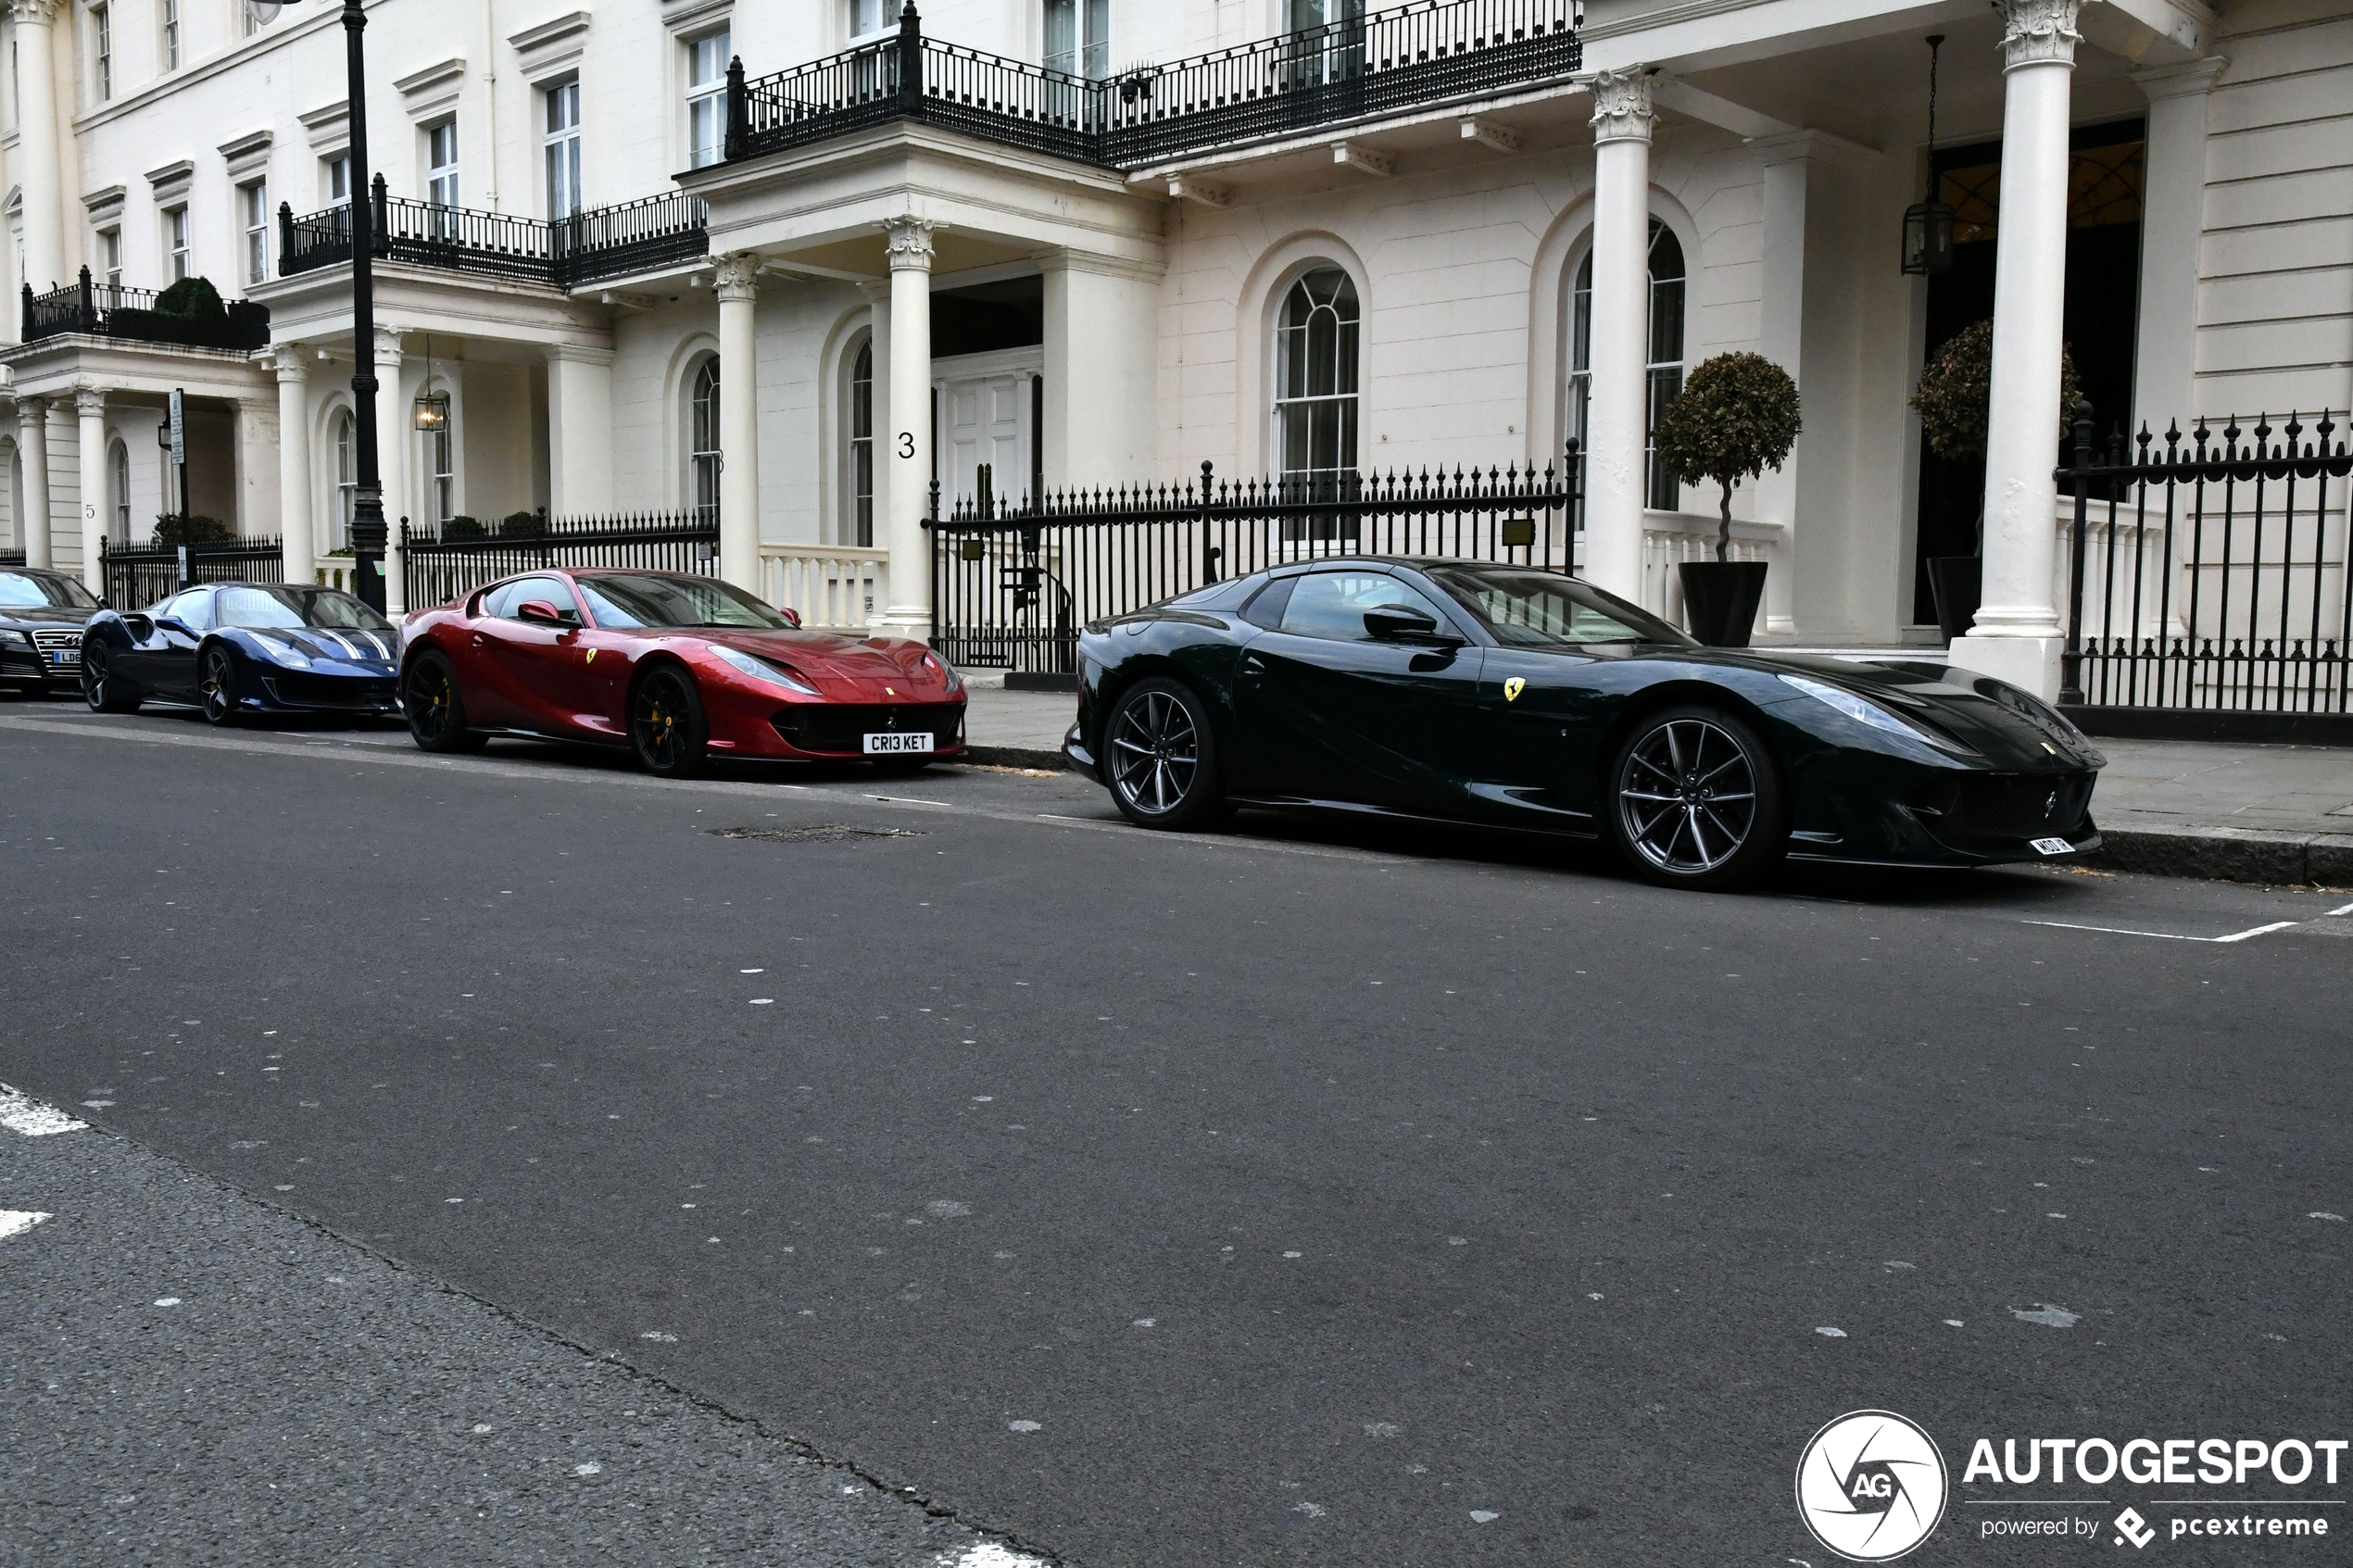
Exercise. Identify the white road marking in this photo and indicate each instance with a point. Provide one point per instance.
(988, 1554)
(2333, 914)
(19, 1114)
(2168, 936)
(15, 1221)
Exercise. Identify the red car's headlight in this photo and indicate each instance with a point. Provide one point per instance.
(760, 669)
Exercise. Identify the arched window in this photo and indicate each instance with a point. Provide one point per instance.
(347, 478)
(860, 425)
(1662, 355)
(703, 442)
(1316, 392)
(119, 474)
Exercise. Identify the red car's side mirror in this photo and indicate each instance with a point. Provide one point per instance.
(793, 616)
(539, 612)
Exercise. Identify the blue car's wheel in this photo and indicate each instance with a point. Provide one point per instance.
(217, 686)
(100, 689)
(1695, 800)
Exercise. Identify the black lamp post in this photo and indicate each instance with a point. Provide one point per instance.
(369, 535)
(1928, 225)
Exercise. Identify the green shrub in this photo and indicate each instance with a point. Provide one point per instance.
(1956, 395)
(198, 530)
(1737, 416)
(522, 525)
(196, 301)
(463, 527)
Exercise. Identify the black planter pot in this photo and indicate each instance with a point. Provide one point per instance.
(1720, 599)
(1958, 583)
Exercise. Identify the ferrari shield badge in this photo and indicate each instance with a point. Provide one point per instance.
(1512, 687)
(592, 656)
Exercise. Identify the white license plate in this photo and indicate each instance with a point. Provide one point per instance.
(65, 656)
(894, 743)
(2053, 846)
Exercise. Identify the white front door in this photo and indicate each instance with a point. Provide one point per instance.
(984, 421)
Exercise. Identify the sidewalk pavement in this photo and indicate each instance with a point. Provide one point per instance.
(2206, 809)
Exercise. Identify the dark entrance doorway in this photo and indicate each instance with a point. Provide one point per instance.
(2102, 311)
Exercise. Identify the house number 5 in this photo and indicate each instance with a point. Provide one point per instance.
(906, 443)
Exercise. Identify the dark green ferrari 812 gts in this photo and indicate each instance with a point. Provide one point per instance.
(1525, 699)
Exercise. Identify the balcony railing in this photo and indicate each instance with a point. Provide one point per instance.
(564, 253)
(1428, 53)
(111, 311)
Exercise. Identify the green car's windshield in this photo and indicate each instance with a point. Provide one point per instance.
(1543, 609)
(286, 608)
(26, 590)
(644, 599)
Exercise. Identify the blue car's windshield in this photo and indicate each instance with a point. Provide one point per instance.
(288, 608)
(1530, 608)
(26, 590)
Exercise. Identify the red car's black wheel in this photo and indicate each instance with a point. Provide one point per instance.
(217, 686)
(666, 723)
(435, 710)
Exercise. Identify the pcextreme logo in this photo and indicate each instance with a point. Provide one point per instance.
(1872, 1485)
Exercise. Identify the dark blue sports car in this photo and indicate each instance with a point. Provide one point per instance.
(230, 649)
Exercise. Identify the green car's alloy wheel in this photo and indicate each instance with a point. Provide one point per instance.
(217, 686)
(666, 723)
(100, 690)
(1696, 801)
(436, 713)
(1163, 757)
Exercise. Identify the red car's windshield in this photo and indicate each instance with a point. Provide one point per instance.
(622, 599)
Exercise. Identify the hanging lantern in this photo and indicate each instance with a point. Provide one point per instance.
(433, 407)
(1928, 225)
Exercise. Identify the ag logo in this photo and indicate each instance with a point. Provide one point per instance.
(1871, 1486)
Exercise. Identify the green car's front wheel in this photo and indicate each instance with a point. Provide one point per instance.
(1696, 800)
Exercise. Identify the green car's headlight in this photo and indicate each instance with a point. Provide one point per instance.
(1863, 711)
(760, 669)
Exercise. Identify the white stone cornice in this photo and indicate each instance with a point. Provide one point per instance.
(908, 240)
(1623, 110)
(2039, 32)
(738, 276)
(2176, 82)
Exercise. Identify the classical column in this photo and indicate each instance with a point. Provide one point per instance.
(2172, 227)
(580, 430)
(908, 435)
(396, 445)
(90, 410)
(32, 451)
(37, 165)
(1617, 421)
(739, 420)
(297, 523)
(2018, 634)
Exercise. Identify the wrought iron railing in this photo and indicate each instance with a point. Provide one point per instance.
(1430, 52)
(2209, 571)
(137, 575)
(1012, 585)
(567, 253)
(440, 565)
(111, 311)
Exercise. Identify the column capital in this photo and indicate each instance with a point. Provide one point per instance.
(1622, 106)
(40, 13)
(30, 408)
(909, 241)
(2037, 32)
(2180, 80)
(90, 402)
(737, 276)
(388, 351)
(287, 358)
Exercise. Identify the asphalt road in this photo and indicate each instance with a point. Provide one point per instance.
(1306, 1194)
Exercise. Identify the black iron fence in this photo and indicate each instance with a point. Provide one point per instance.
(137, 575)
(1430, 52)
(11, 557)
(565, 253)
(1011, 586)
(441, 565)
(2209, 570)
(111, 311)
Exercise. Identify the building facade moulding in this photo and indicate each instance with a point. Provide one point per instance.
(684, 16)
(1623, 110)
(173, 180)
(908, 241)
(247, 153)
(40, 13)
(552, 47)
(2180, 80)
(428, 91)
(315, 307)
(736, 276)
(104, 207)
(328, 126)
(58, 367)
(2039, 32)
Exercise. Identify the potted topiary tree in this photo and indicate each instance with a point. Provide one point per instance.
(1736, 417)
(1954, 398)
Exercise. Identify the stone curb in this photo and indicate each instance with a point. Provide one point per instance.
(2229, 854)
(1014, 757)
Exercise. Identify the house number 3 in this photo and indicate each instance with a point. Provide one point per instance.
(906, 443)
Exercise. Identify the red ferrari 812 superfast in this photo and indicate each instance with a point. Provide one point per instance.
(679, 669)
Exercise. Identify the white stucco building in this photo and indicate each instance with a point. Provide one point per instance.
(1521, 223)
